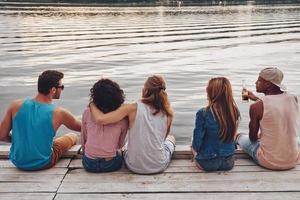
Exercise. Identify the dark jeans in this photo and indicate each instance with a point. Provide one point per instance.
(101, 165)
(216, 164)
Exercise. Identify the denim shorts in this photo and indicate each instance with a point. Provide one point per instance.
(101, 165)
(222, 163)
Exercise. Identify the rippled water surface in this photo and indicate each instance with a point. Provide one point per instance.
(186, 45)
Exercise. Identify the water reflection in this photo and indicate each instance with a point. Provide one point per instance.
(187, 45)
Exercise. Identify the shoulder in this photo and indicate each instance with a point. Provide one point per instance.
(61, 112)
(256, 109)
(201, 112)
(293, 97)
(86, 114)
(15, 105)
(129, 107)
(256, 105)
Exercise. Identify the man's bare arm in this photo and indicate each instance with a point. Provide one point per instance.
(64, 117)
(6, 124)
(256, 113)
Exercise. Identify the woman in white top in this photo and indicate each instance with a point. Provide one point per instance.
(150, 147)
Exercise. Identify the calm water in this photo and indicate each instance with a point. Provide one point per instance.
(186, 45)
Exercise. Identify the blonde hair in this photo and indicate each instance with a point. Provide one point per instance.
(220, 100)
(154, 95)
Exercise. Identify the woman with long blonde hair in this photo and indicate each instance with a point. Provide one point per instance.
(150, 147)
(215, 128)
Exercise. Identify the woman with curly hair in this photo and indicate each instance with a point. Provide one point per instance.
(150, 147)
(101, 143)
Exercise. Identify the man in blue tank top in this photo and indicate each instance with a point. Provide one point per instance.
(34, 122)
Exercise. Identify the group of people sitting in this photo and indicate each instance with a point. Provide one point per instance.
(139, 133)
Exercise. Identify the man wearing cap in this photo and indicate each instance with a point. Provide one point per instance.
(34, 122)
(276, 115)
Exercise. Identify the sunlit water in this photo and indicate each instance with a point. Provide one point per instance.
(187, 45)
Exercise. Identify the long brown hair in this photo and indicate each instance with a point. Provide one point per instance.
(220, 100)
(154, 95)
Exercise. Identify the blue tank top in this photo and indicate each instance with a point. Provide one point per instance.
(32, 135)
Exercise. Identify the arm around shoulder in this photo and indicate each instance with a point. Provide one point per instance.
(111, 117)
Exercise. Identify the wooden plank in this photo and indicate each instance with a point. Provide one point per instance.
(28, 187)
(73, 151)
(79, 181)
(181, 151)
(32, 177)
(55, 171)
(245, 168)
(62, 163)
(27, 196)
(186, 149)
(14, 180)
(4, 151)
(180, 196)
(185, 165)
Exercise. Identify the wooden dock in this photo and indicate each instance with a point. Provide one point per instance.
(182, 180)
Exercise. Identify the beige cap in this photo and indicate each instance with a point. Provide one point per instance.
(273, 75)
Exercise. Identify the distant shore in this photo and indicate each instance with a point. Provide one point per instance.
(172, 3)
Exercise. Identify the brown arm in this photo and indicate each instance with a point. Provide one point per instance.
(256, 113)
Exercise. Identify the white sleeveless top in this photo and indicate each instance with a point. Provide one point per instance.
(279, 128)
(145, 153)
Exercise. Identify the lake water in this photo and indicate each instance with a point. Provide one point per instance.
(187, 45)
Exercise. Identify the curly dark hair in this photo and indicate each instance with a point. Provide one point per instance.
(47, 80)
(107, 95)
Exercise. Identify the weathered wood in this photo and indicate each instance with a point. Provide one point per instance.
(4, 151)
(184, 166)
(32, 178)
(62, 163)
(185, 196)
(79, 181)
(16, 181)
(74, 151)
(181, 152)
(27, 196)
(181, 180)
(28, 187)
(55, 171)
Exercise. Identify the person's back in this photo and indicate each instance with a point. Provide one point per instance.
(212, 146)
(34, 123)
(147, 136)
(215, 127)
(32, 135)
(150, 147)
(276, 115)
(101, 144)
(279, 137)
(102, 141)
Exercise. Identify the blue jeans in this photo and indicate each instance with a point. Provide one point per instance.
(101, 165)
(222, 163)
(249, 147)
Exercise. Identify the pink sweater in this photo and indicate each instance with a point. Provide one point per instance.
(99, 141)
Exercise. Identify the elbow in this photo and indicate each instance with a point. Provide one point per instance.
(253, 138)
(5, 138)
(101, 121)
